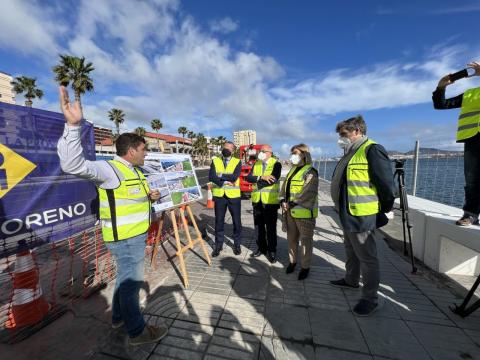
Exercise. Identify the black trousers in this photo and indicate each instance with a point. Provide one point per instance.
(234, 206)
(265, 219)
(471, 169)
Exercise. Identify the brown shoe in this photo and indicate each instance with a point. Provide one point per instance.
(150, 334)
(467, 220)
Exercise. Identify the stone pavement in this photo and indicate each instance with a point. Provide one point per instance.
(246, 308)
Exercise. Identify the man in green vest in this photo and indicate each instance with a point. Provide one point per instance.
(124, 213)
(362, 190)
(225, 178)
(265, 175)
(468, 133)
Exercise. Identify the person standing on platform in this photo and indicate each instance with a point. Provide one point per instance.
(125, 213)
(225, 178)
(265, 175)
(468, 133)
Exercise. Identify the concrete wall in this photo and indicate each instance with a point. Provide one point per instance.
(439, 243)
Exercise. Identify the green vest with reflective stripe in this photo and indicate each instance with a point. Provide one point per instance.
(125, 211)
(230, 191)
(469, 118)
(268, 194)
(296, 187)
(362, 194)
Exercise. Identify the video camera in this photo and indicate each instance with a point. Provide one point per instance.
(399, 164)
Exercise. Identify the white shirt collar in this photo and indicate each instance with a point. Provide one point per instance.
(123, 161)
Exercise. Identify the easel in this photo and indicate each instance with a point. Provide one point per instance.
(181, 248)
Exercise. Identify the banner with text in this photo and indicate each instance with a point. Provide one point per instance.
(38, 202)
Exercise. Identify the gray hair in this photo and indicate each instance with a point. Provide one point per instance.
(352, 124)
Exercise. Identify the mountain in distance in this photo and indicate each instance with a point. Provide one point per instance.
(427, 152)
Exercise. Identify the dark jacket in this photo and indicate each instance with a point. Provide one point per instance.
(276, 172)
(212, 175)
(440, 103)
(381, 175)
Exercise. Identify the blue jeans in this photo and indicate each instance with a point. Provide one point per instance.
(130, 256)
(471, 160)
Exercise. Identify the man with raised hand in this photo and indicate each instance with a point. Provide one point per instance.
(468, 133)
(125, 213)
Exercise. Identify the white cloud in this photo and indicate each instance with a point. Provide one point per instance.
(154, 61)
(23, 28)
(316, 151)
(384, 85)
(473, 7)
(224, 26)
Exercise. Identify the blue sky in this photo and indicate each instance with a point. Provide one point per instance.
(288, 69)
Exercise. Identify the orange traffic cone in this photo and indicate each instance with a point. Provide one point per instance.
(210, 203)
(28, 304)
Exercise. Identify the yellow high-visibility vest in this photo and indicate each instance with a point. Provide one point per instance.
(296, 186)
(469, 118)
(268, 194)
(362, 194)
(230, 191)
(125, 211)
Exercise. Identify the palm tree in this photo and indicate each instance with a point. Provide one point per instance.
(182, 130)
(156, 125)
(191, 135)
(24, 84)
(140, 131)
(201, 146)
(118, 117)
(75, 71)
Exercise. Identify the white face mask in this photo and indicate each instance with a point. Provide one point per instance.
(343, 142)
(262, 156)
(295, 159)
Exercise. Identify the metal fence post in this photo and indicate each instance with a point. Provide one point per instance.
(325, 169)
(415, 167)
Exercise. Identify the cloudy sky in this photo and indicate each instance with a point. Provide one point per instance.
(288, 69)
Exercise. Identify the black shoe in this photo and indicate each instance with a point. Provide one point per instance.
(343, 284)
(467, 220)
(272, 257)
(257, 253)
(216, 252)
(365, 308)
(290, 268)
(237, 250)
(303, 273)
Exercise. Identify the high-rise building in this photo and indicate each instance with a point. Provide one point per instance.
(244, 137)
(6, 88)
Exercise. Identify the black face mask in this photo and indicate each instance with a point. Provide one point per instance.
(226, 153)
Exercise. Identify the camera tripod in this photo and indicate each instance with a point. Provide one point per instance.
(400, 175)
(463, 310)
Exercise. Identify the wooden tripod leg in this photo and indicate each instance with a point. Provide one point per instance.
(185, 227)
(199, 235)
(157, 241)
(183, 269)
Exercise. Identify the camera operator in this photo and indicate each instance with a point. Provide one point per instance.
(362, 190)
(468, 132)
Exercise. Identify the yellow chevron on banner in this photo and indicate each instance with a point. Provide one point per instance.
(13, 169)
